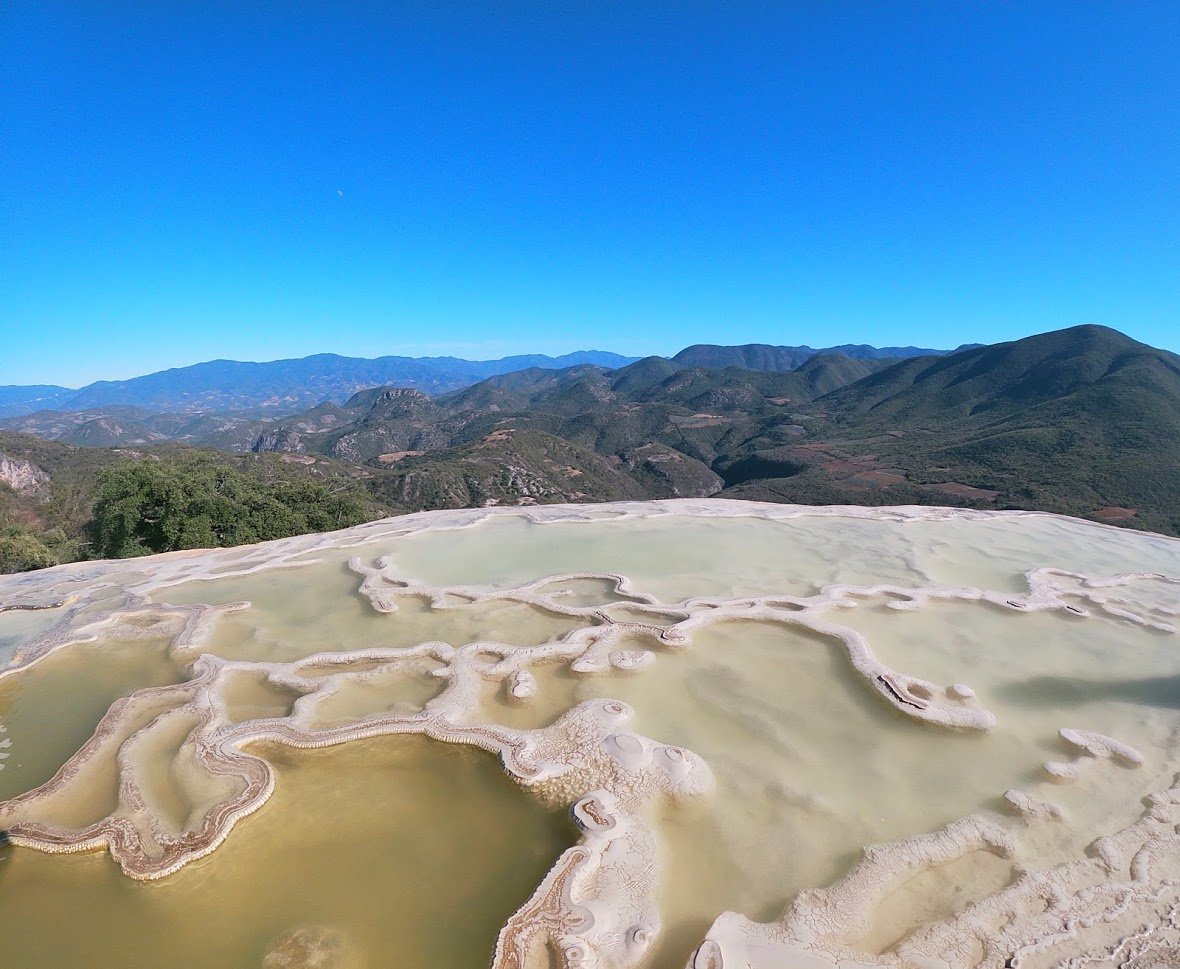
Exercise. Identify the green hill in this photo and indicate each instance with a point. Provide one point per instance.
(1075, 421)
(1083, 421)
(1003, 379)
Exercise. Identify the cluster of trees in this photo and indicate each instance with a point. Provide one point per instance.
(141, 507)
(160, 503)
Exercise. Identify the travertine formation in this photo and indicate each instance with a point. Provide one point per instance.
(599, 904)
(1108, 910)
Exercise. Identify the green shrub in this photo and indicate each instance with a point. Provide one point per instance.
(22, 552)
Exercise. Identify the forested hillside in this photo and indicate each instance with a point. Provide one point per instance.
(1081, 421)
(60, 503)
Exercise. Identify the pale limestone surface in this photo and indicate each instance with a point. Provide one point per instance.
(601, 903)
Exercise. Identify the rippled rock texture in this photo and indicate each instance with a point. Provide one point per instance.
(784, 736)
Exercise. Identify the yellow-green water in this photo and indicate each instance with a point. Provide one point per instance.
(709, 556)
(674, 557)
(415, 851)
(50, 710)
(20, 625)
(328, 615)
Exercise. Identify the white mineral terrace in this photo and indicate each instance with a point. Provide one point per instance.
(787, 737)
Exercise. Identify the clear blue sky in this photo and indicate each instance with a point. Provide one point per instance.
(180, 181)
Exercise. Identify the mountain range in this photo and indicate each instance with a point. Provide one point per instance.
(394, 417)
(282, 387)
(1083, 421)
(278, 386)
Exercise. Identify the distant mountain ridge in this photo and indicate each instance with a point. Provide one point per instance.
(763, 356)
(1083, 421)
(281, 387)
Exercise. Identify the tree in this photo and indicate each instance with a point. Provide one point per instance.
(22, 552)
(150, 506)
